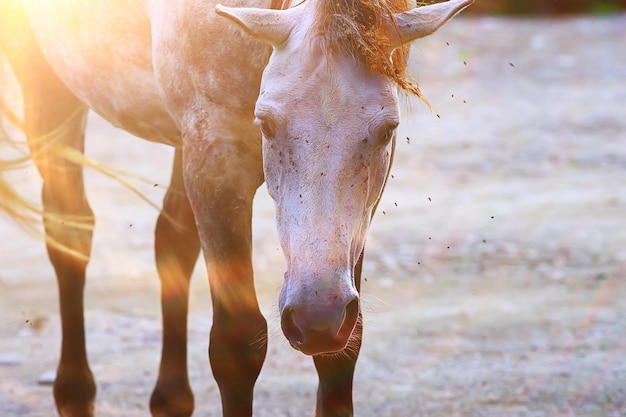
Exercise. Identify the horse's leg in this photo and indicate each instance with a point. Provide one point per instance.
(176, 248)
(334, 393)
(64, 198)
(54, 119)
(221, 177)
(68, 222)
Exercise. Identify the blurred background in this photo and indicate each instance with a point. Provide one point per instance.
(543, 7)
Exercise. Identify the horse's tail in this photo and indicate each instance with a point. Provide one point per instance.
(15, 155)
(13, 152)
(17, 46)
(17, 49)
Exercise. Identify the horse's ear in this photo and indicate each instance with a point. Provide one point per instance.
(271, 26)
(422, 21)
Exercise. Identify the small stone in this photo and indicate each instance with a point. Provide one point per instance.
(47, 378)
(8, 361)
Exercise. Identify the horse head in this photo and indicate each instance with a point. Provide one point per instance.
(328, 112)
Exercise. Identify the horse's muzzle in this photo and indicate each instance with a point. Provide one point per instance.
(321, 329)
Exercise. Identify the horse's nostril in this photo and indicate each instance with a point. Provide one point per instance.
(291, 330)
(350, 318)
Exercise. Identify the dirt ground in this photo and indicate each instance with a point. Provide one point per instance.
(495, 270)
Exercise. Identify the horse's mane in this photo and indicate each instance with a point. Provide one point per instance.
(362, 28)
(280, 4)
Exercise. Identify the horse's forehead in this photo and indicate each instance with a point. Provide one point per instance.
(311, 76)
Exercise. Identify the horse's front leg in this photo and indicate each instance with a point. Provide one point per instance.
(336, 372)
(221, 177)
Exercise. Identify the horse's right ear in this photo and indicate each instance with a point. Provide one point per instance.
(271, 26)
(422, 21)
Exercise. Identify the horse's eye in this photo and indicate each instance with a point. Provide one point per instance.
(268, 127)
(386, 133)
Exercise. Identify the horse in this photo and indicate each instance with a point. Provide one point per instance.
(303, 97)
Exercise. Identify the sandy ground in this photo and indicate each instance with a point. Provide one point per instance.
(495, 272)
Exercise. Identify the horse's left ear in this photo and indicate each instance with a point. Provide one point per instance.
(271, 26)
(422, 21)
